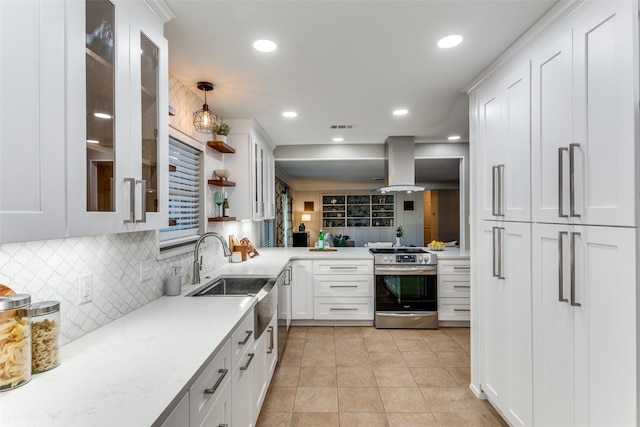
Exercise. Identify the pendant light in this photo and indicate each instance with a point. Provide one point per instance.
(205, 120)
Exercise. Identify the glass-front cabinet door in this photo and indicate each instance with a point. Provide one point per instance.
(117, 99)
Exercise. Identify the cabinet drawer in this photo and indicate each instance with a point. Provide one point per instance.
(242, 339)
(220, 413)
(209, 385)
(343, 267)
(454, 309)
(328, 285)
(454, 267)
(343, 309)
(454, 286)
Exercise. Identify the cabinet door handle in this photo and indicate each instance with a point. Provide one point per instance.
(143, 194)
(221, 374)
(343, 286)
(270, 329)
(572, 181)
(561, 297)
(494, 190)
(245, 367)
(461, 309)
(561, 213)
(494, 235)
(501, 190)
(343, 309)
(345, 267)
(287, 276)
(461, 268)
(132, 201)
(497, 252)
(461, 286)
(573, 270)
(246, 339)
(223, 425)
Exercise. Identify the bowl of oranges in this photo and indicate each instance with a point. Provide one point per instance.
(436, 245)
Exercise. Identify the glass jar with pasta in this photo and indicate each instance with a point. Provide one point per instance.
(15, 341)
(45, 329)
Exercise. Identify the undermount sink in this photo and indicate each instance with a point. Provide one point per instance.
(242, 286)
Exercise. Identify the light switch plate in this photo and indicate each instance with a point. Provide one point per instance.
(85, 288)
(146, 270)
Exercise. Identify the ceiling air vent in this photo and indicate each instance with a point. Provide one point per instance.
(341, 126)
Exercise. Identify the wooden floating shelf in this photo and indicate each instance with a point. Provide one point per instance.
(222, 218)
(221, 182)
(221, 146)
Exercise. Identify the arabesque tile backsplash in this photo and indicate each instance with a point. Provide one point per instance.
(50, 269)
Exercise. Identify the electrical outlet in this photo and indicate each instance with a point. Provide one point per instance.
(146, 270)
(85, 288)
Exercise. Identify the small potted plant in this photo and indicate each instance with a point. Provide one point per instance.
(399, 234)
(221, 131)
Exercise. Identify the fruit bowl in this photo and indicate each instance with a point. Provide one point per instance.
(436, 246)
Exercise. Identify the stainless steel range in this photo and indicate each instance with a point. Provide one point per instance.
(406, 288)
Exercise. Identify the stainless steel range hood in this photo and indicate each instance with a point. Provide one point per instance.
(400, 165)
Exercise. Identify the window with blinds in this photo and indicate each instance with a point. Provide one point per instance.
(184, 195)
(267, 233)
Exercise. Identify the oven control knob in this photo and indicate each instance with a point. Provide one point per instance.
(420, 258)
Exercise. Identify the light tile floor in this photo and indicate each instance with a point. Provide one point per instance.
(362, 376)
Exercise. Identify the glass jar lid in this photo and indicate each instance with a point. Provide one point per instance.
(44, 307)
(9, 302)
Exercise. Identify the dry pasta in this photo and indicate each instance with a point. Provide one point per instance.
(15, 352)
(44, 342)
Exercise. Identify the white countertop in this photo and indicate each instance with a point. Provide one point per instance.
(129, 371)
(451, 253)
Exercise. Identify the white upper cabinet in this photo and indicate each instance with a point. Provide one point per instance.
(253, 197)
(32, 128)
(503, 133)
(117, 106)
(583, 120)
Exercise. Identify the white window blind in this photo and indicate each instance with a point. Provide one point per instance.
(184, 194)
(268, 233)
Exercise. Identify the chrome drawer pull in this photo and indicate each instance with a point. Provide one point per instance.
(249, 333)
(346, 267)
(343, 286)
(573, 269)
(461, 268)
(270, 329)
(245, 367)
(132, 201)
(561, 297)
(561, 214)
(143, 191)
(221, 374)
(572, 181)
(461, 309)
(461, 286)
(343, 309)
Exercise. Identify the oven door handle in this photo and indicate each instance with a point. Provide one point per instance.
(406, 271)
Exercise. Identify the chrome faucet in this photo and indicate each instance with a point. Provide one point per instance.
(197, 263)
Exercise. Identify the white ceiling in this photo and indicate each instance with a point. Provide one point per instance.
(343, 62)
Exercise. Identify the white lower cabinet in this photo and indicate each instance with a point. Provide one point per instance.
(220, 414)
(265, 359)
(343, 290)
(208, 387)
(454, 285)
(301, 289)
(241, 389)
(179, 417)
(585, 326)
(505, 280)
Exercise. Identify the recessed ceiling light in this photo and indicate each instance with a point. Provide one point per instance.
(93, 141)
(454, 137)
(264, 45)
(400, 112)
(450, 41)
(103, 115)
(290, 114)
(338, 139)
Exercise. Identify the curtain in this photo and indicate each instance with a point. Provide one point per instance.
(284, 207)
